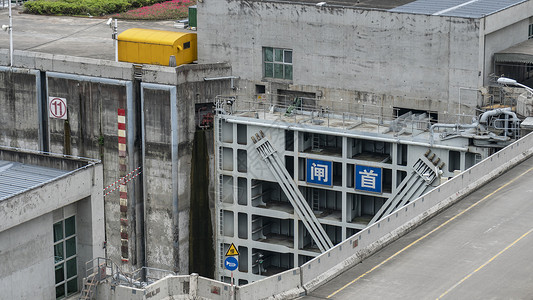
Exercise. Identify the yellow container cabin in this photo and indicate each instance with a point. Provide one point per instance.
(148, 46)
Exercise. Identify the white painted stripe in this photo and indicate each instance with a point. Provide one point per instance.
(123, 202)
(121, 147)
(453, 8)
(123, 188)
(122, 133)
(122, 119)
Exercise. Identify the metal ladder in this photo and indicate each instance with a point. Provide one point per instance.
(220, 181)
(424, 172)
(316, 143)
(316, 199)
(301, 207)
(221, 225)
(96, 270)
(89, 285)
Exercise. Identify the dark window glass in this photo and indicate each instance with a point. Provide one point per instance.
(277, 63)
(58, 253)
(60, 291)
(268, 54)
(288, 72)
(288, 57)
(187, 45)
(269, 70)
(58, 231)
(60, 273)
(278, 57)
(70, 226)
(72, 286)
(278, 71)
(71, 267)
(71, 246)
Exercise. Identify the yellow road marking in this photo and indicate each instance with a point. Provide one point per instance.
(427, 234)
(483, 265)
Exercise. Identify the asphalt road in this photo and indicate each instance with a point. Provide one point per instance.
(480, 248)
(75, 36)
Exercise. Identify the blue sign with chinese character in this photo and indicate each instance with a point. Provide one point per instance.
(319, 172)
(368, 179)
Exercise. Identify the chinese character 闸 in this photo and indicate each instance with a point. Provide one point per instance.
(320, 172)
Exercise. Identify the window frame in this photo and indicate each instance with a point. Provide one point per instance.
(280, 59)
(64, 261)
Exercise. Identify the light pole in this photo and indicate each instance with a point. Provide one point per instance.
(509, 81)
(114, 35)
(10, 28)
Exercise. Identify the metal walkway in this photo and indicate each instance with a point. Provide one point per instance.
(479, 248)
(276, 166)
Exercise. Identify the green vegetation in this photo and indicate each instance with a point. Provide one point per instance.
(175, 9)
(84, 7)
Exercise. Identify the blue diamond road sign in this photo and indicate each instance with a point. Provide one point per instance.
(231, 263)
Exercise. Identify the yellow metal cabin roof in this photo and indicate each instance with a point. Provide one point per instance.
(151, 36)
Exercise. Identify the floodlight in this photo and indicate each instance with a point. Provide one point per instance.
(505, 80)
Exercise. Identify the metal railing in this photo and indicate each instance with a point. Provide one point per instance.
(148, 275)
(100, 269)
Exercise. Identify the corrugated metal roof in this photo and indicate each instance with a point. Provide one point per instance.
(519, 53)
(17, 177)
(457, 8)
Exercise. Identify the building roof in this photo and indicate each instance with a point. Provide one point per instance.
(456, 8)
(373, 4)
(152, 36)
(17, 177)
(519, 53)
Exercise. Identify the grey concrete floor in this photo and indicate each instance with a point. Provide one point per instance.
(484, 253)
(75, 36)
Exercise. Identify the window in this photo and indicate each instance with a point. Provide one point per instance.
(530, 33)
(277, 63)
(65, 262)
(186, 45)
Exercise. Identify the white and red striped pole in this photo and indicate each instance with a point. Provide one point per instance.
(124, 249)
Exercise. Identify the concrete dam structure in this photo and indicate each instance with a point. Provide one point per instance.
(274, 141)
(140, 121)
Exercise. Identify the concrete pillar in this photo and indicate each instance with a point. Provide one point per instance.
(193, 286)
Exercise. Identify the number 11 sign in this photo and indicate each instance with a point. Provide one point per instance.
(57, 108)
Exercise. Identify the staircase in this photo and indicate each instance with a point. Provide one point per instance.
(289, 187)
(97, 270)
(424, 172)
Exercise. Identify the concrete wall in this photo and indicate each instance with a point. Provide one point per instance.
(170, 287)
(19, 116)
(296, 282)
(28, 257)
(405, 60)
(26, 225)
(502, 39)
(95, 90)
